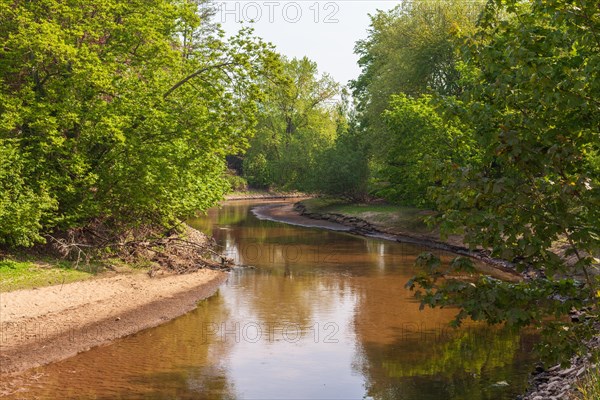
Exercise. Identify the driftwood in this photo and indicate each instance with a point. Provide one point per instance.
(175, 252)
(177, 255)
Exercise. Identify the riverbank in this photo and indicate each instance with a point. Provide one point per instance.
(39, 326)
(389, 222)
(44, 322)
(578, 380)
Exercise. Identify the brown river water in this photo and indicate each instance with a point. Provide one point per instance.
(324, 315)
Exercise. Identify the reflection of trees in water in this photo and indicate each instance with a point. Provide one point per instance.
(403, 353)
(280, 248)
(454, 366)
(410, 354)
(227, 215)
(407, 353)
(280, 299)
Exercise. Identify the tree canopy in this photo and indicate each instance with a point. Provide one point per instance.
(120, 111)
(531, 96)
(410, 50)
(297, 120)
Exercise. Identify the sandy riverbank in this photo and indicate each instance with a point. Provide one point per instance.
(296, 214)
(48, 324)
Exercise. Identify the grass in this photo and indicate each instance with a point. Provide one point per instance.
(385, 215)
(26, 274)
(589, 386)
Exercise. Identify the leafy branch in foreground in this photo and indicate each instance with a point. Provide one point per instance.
(541, 303)
(531, 89)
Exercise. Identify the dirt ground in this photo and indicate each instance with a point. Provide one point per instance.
(39, 326)
(284, 212)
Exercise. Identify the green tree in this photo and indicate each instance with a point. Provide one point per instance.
(120, 111)
(535, 197)
(296, 122)
(342, 170)
(410, 51)
(22, 207)
(425, 144)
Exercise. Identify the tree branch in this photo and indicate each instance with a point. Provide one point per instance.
(195, 74)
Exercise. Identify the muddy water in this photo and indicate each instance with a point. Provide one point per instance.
(324, 315)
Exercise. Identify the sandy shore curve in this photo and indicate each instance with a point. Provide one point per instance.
(40, 326)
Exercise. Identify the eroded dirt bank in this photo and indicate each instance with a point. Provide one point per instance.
(296, 214)
(49, 324)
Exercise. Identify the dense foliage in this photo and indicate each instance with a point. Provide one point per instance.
(425, 143)
(343, 169)
(117, 110)
(534, 199)
(296, 122)
(410, 50)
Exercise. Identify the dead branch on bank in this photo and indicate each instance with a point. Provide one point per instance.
(177, 251)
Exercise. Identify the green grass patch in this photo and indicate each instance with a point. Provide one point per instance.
(589, 386)
(385, 215)
(25, 274)
(321, 204)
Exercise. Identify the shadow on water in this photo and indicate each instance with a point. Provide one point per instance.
(324, 315)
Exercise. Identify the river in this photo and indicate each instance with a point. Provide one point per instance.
(323, 315)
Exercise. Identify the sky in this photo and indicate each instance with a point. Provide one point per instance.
(324, 31)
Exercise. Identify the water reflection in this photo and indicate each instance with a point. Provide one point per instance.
(324, 315)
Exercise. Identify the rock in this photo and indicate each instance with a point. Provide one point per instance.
(567, 371)
(538, 369)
